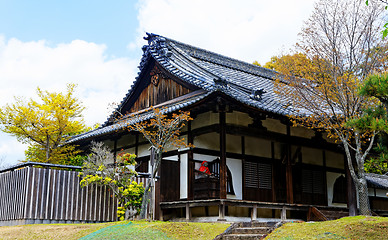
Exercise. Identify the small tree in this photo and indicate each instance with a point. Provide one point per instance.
(161, 131)
(119, 178)
(45, 124)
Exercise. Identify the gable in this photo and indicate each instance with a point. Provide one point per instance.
(159, 90)
(156, 87)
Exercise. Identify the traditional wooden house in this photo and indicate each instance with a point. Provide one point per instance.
(261, 166)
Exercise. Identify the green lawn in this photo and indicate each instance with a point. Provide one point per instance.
(117, 230)
(359, 227)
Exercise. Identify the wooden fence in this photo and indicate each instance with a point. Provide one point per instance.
(47, 195)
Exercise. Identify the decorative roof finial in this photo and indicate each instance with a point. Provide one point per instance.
(257, 94)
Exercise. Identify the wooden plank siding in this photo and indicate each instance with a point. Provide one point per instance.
(153, 94)
(44, 194)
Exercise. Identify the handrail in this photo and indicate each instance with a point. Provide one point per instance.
(314, 212)
(49, 165)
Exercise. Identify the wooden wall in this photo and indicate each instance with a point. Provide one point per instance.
(165, 90)
(53, 195)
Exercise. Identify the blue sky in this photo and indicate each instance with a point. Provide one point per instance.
(97, 44)
(112, 23)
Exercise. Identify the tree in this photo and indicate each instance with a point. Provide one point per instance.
(385, 28)
(119, 178)
(46, 124)
(340, 44)
(161, 131)
(376, 86)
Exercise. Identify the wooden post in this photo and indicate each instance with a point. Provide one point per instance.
(254, 213)
(222, 121)
(221, 211)
(283, 214)
(157, 196)
(115, 151)
(190, 164)
(289, 180)
(188, 213)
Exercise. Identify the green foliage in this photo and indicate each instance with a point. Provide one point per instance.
(376, 119)
(45, 124)
(372, 119)
(65, 155)
(77, 160)
(376, 86)
(378, 164)
(119, 178)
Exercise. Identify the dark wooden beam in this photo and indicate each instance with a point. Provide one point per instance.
(289, 178)
(222, 121)
(190, 164)
(243, 165)
(115, 151)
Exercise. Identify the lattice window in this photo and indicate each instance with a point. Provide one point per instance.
(251, 176)
(258, 175)
(265, 175)
(313, 181)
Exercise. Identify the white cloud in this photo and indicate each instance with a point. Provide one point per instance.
(26, 65)
(247, 30)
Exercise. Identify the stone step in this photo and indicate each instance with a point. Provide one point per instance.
(257, 224)
(251, 230)
(243, 236)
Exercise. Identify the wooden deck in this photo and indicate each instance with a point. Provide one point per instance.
(252, 205)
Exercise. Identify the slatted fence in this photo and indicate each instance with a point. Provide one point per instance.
(47, 195)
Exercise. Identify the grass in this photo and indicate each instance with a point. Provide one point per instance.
(359, 227)
(140, 230)
(136, 230)
(51, 231)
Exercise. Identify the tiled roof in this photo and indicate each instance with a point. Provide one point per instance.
(377, 181)
(212, 72)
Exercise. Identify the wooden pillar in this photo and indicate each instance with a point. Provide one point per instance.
(274, 183)
(188, 212)
(283, 214)
(289, 180)
(243, 165)
(254, 213)
(222, 121)
(157, 198)
(221, 211)
(190, 164)
(115, 151)
(137, 144)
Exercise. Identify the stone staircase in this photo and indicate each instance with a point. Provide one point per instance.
(247, 231)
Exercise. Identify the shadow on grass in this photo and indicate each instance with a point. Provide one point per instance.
(126, 231)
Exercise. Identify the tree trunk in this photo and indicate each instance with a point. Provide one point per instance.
(147, 195)
(363, 197)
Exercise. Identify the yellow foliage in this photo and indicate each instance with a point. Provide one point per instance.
(46, 123)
